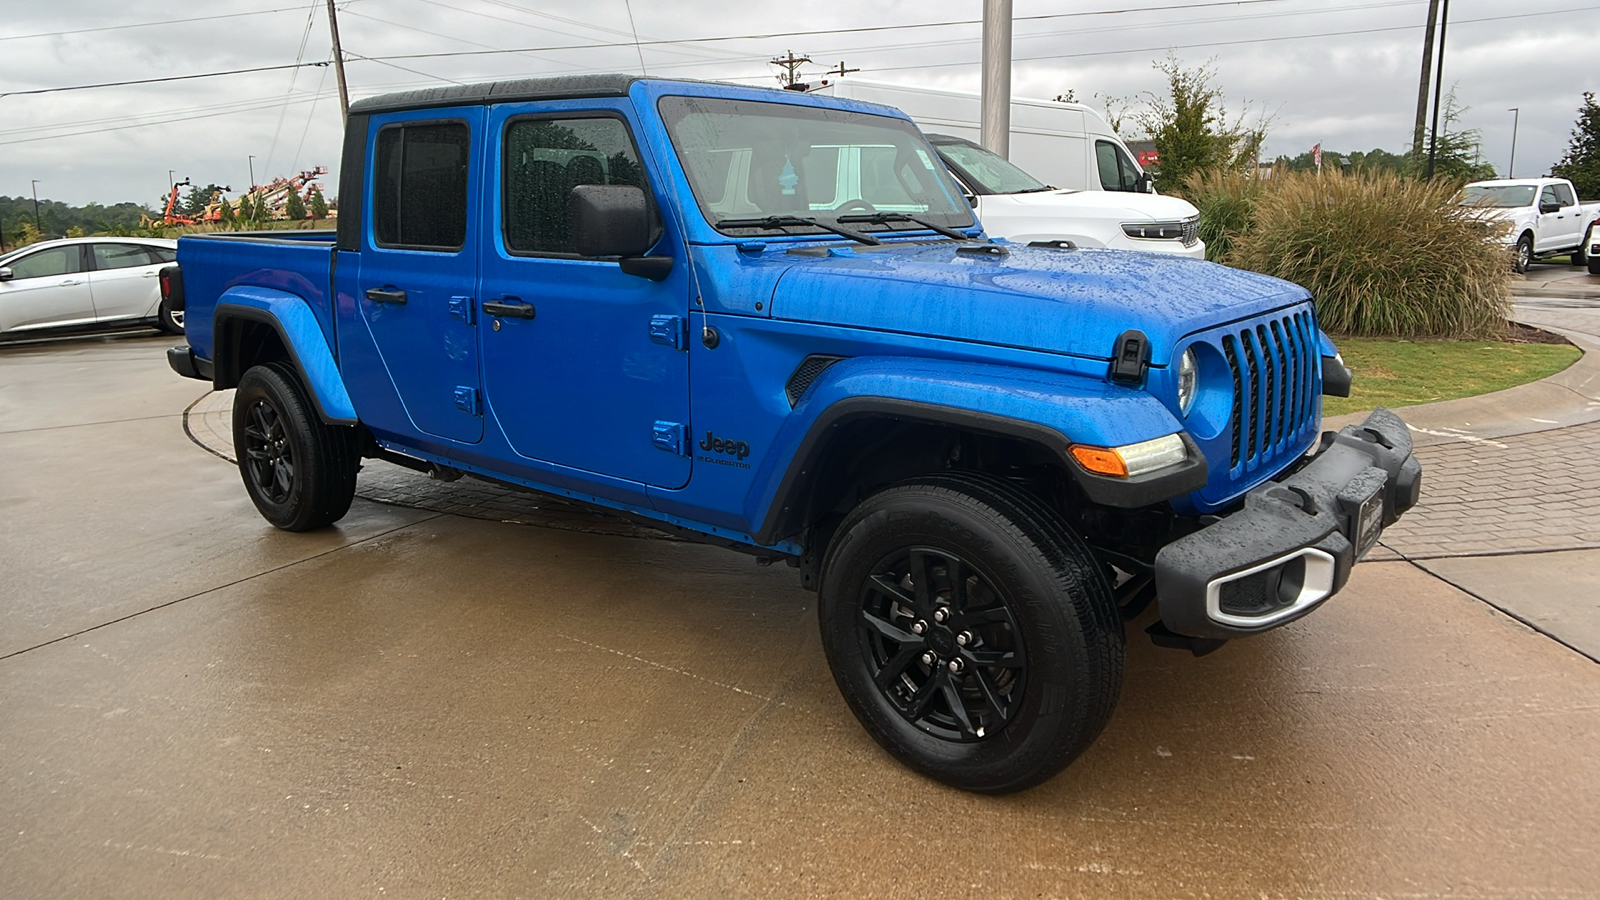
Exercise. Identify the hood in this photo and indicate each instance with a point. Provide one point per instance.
(1119, 205)
(1073, 302)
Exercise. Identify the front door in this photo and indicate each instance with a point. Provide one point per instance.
(584, 366)
(47, 288)
(419, 264)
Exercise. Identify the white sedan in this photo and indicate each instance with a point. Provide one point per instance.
(81, 283)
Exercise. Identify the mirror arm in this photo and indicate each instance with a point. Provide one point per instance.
(655, 268)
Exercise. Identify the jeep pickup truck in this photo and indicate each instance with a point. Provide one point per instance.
(647, 295)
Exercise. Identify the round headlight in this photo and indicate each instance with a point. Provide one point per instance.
(1188, 375)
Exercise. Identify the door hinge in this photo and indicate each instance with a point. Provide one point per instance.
(673, 331)
(461, 308)
(467, 400)
(668, 436)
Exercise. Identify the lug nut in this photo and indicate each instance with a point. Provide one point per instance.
(928, 659)
(964, 638)
(919, 627)
(956, 666)
(940, 614)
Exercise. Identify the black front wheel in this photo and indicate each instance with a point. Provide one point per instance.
(970, 631)
(299, 471)
(1523, 256)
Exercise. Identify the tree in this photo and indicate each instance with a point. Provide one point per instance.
(1581, 164)
(1191, 128)
(1457, 155)
(225, 213)
(294, 208)
(319, 206)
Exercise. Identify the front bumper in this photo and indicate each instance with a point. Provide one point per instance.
(1292, 545)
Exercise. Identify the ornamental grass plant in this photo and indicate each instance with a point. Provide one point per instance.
(1384, 256)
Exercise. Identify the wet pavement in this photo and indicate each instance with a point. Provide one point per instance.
(428, 703)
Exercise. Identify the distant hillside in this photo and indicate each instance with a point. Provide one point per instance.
(56, 218)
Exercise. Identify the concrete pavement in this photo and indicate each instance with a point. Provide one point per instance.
(419, 704)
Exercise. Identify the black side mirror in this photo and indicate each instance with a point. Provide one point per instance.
(610, 220)
(1146, 183)
(1549, 206)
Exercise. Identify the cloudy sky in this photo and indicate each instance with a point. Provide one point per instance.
(1342, 73)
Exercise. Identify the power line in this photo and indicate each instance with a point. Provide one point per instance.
(106, 84)
(259, 12)
(828, 31)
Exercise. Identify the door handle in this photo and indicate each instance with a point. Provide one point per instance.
(509, 307)
(71, 281)
(148, 274)
(379, 295)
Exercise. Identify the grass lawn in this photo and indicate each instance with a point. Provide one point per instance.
(1404, 373)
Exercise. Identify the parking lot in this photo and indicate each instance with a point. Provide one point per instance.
(436, 698)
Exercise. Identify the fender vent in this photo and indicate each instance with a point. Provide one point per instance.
(805, 373)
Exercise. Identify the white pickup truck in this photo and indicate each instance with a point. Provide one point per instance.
(1545, 216)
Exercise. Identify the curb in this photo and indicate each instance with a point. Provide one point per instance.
(1567, 398)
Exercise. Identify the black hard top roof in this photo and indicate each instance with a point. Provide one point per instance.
(560, 87)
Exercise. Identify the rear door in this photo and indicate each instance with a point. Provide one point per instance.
(419, 262)
(590, 368)
(47, 288)
(123, 280)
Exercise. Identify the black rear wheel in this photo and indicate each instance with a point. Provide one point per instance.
(970, 631)
(299, 471)
(168, 319)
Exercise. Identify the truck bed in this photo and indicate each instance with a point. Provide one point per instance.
(299, 262)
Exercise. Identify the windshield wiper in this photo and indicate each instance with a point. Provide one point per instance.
(786, 221)
(884, 218)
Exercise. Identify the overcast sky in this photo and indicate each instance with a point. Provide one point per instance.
(1342, 73)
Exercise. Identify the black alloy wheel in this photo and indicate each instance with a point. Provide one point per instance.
(266, 454)
(299, 471)
(970, 631)
(941, 644)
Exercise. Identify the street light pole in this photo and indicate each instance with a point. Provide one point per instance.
(1516, 113)
(36, 224)
(251, 162)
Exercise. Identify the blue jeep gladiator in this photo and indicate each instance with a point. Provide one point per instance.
(771, 321)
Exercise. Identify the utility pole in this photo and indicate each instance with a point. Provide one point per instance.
(791, 67)
(1417, 133)
(841, 71)
(1516, 113)
(1438, 86)
(995, 120)
(36, 225)
(338, 61)
(251, 162)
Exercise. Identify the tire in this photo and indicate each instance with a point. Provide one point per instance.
(1524, 254)
(169, 320)
(1594, 266)
(1011, 593)
(299, 472)
(1579, 257)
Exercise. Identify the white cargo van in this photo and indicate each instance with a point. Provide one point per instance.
(1094, 194)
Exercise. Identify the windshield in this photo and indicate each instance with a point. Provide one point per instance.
(748, 160)
(1501, 196)
(985, 171)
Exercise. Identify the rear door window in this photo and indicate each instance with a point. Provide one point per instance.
(122, 256)
(1564, 195)
(419, 186)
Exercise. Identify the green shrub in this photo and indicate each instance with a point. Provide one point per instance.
(1384, 256)
(1226, 201)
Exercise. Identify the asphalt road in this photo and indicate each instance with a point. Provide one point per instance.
(420, 704)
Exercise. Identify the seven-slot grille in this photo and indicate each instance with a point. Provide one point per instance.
(1275, 370)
